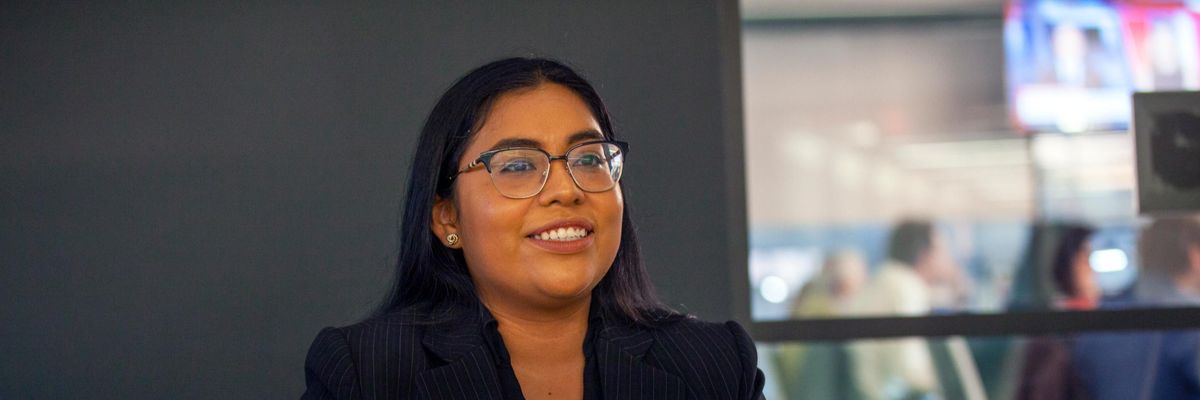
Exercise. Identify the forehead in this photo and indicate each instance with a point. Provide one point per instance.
(549, 114)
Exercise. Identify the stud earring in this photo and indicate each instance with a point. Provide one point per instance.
(452, 239)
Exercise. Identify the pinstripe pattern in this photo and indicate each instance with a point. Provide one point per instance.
(395, 357)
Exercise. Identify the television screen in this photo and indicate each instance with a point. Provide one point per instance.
(1073, 65)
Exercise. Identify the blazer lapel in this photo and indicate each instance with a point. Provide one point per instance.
(625, 372)
(468, 373)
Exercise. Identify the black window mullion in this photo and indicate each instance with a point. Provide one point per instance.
(1002, 324)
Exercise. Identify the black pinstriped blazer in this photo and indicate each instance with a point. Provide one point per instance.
(396, 357)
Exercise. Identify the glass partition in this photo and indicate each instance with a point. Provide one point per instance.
(851, 128)
(888, 172)
(933, 172)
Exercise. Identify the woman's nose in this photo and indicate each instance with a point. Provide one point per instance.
(560, 187)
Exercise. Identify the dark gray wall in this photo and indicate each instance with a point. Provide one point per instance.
(188, 193)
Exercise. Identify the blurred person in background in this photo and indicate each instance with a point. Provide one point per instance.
(1073, 277)
(1152, 365)
(1056, 274)
(821, 370)
(917, 258)
(1170, 254)
(830, 292)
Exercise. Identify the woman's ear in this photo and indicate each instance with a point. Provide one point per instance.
(445, 222)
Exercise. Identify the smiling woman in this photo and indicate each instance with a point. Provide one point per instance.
(520, 277)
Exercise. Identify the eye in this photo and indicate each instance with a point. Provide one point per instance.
(588, 160)
(517, 166)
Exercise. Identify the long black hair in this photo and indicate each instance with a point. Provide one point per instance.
(1046, 270)
(1072, 239)
(431, 275)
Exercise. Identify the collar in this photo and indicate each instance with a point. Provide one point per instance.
(465, 328)
(620, 348)
(490, 330)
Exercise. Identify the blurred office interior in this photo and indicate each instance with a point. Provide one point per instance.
(998, 122)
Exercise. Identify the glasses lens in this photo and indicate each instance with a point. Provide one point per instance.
(596, 167)
(518, 173)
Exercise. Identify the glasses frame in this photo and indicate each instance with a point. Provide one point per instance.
(485, 158)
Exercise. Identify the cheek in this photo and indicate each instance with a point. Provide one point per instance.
(617, 204)
(614, 211)
(490, 227)
(490, 224)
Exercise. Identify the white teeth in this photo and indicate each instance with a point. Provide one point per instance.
(563, 234)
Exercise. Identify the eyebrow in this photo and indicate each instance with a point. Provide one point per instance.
(590, 134)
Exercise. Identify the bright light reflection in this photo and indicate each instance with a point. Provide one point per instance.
(774, 289)
(1109, 260)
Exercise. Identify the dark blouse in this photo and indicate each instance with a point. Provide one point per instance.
(509, 386)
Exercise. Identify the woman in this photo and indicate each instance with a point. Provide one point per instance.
(1057, 275)
(1056, 272)
(519, 276)
(1073, 275)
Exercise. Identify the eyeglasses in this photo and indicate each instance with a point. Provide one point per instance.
(521, 172)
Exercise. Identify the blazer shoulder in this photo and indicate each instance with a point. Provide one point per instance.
(717, 357)
(377, 356)
(724, 337)
(716, 333)
(329, 371)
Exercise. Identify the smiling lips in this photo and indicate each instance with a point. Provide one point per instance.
(565, 237)
(562, 234)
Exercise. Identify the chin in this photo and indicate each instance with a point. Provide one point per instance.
(561, 297)
(568, 286)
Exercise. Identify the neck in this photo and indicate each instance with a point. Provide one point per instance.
(545, 346)
(542, 335)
